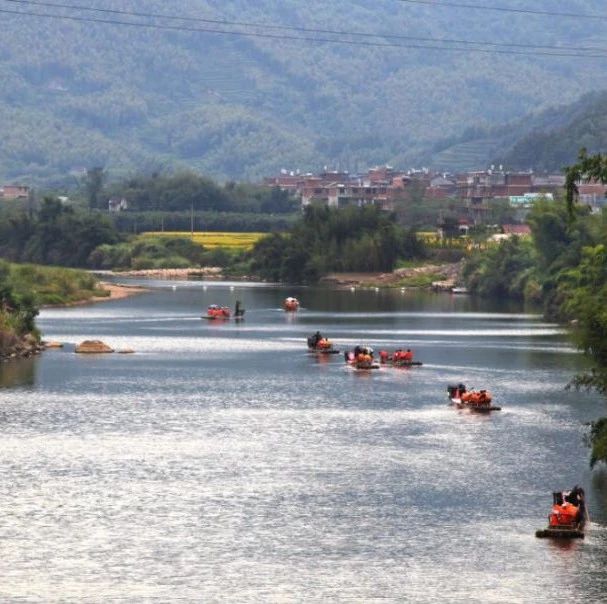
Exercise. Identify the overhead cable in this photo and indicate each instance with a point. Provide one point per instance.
(309, 30)
(505, 9)
(271, 36)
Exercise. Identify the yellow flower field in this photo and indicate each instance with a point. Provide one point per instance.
(243, 241)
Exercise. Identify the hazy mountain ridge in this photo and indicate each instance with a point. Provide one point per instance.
(74, 95)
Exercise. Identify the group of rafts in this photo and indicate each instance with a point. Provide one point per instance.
(569, 513)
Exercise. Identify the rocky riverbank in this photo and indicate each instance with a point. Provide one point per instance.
(207, 272)
(431, 276)
(14, 347)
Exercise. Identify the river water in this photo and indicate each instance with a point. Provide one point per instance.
(222, 463)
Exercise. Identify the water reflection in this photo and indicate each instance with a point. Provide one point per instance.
(18, 373)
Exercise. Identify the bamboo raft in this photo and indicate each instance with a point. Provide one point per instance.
(560, 532)
(476, 408)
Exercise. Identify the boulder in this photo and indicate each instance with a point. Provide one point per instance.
(93, 347)
(52, 344)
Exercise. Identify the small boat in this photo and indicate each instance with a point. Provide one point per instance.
(361, 358)
(568, 516)
(290, 304)
(473, 400)
(399, 358)
(321, 345)
(216, 312)
(459, 290)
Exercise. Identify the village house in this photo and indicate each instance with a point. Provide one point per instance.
(14, 192)
(117, 204)
(593, 195)
(382, 186)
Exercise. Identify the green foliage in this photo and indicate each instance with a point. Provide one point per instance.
(504, 271)
(56, 234)
(140, 222)
(94, 181)
(565, 267)
(24, 287)
(52, 285)
(160, 252)
(598, 439)
(588, 168)
(351, 239)
(148, 253)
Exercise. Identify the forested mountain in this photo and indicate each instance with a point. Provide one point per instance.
(543, 141)
(74, 94)
(556, 142)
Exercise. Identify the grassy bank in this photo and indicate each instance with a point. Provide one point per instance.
(52, 285)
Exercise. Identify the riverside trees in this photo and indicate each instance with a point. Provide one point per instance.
(564, 267)
(324, 240)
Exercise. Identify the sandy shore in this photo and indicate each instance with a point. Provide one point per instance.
(118, 291)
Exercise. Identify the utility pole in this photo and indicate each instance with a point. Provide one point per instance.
(192, 219)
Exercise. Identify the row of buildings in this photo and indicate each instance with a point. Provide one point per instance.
(475, 191)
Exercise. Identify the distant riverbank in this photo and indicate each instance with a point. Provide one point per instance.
(437, 276)
(207, 272)
(440, 276)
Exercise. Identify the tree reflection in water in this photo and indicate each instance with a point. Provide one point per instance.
(21, 372)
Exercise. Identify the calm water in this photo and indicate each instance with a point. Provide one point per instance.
(222, 463)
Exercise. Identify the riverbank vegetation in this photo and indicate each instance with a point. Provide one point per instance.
(54, 234)
(563, 267)
(162, 251)
(26, 287)
(326, 240)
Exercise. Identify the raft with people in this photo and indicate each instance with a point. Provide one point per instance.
(214, 311)
(568, 516)
(399, 358)
(319, 344)
(290, 304)
(361, 358)
(474, 400)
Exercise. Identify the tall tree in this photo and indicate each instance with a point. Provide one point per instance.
(94, 183)
(589, 167)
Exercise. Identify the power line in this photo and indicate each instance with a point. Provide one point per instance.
(270, 36)
(504, 9)
(306, 29)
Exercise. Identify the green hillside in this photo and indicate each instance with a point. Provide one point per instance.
(555, 145)
(76, 94)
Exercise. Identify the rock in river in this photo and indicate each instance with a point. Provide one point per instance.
(93, 347)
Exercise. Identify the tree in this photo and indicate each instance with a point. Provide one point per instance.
(94, 183)
(589, 167)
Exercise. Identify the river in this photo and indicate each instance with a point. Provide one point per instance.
(222, 463)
